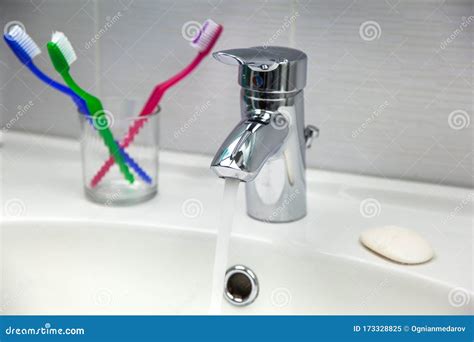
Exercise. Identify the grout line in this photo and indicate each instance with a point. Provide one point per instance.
(292, 35)
(97, 55)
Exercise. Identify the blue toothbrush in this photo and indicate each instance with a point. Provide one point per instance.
(24, 47)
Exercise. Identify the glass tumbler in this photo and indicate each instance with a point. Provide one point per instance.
(141, 155)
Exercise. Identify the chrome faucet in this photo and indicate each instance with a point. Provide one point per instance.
(267, 148)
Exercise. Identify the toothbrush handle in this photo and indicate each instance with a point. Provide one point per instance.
(133, 131)
(133, 164)
(128, 159)
(149, 107)
(114, 150)
(97, 111)
(80, 103)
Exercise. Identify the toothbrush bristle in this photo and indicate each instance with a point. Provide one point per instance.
(18, 34)
(65, 46)
(207, 37)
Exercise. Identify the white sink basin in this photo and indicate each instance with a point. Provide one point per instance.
(61, 254)
(92, 268)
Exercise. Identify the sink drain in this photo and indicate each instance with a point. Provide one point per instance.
(241, 285)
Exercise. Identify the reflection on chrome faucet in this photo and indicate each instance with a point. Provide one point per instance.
(267, 147)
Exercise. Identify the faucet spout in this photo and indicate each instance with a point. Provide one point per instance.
(246, 149)
(267, 148)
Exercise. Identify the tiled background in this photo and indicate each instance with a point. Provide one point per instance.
(419, 85)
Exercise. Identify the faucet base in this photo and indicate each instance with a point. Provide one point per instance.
(293, 219)
(278, 193)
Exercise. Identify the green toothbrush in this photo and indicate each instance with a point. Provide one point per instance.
(62, 56)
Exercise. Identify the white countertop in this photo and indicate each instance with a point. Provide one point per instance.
(44, 175)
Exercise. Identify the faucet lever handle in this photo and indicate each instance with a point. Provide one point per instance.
(267, 69)
(310, 133)
(251, 58)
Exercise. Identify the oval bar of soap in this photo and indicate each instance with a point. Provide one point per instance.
(398, 244)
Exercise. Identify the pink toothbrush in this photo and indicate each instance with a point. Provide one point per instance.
(204, 42)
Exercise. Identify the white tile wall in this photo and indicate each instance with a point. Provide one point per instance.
(404, 70)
